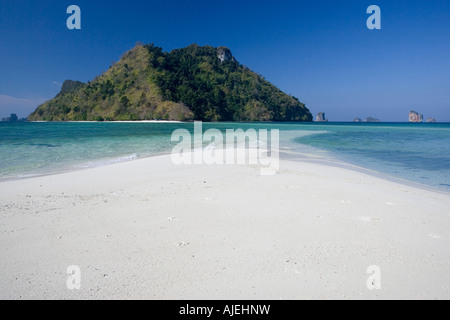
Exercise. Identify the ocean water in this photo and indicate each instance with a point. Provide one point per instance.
(418, 153)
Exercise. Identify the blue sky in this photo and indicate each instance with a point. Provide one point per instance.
(319, 51)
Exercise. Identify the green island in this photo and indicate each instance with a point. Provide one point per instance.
(193, 83)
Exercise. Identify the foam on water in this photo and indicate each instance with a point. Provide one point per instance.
(105, 162)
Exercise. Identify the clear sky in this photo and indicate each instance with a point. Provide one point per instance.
(319, 51)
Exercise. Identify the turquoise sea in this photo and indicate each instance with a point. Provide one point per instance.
(418, 152)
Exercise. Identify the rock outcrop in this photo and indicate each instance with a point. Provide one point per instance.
(224, 54)
(321, 117)
(431, 120)
(12, 118)
(415, 117)
(69, 86)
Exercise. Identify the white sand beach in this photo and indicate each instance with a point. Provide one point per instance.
(147, 229)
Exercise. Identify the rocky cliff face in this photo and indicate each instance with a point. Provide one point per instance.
(415, 117)
(224, 54)
(321, 117)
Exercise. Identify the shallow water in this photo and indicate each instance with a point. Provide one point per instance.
(415, 152)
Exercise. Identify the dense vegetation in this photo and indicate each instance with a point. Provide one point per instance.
(201, 83)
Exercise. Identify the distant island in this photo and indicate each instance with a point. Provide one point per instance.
(193, 83)
(416, 117)
(321, 117)
(368, 119)
(13, 118)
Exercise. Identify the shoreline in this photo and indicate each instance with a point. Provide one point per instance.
(147, 229)
(284, 156)
(263, 122)
(367, 171)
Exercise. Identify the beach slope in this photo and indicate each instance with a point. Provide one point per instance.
(147, 229)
